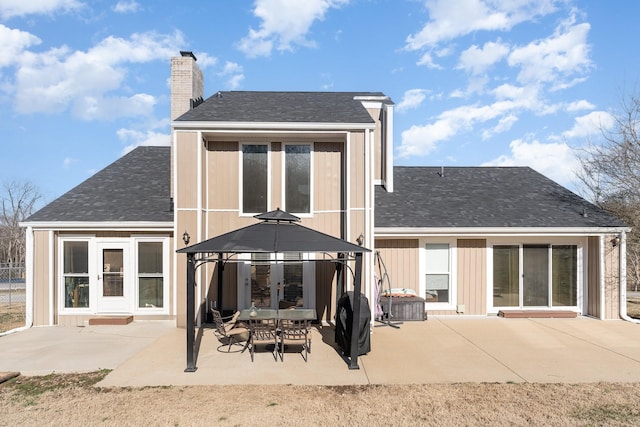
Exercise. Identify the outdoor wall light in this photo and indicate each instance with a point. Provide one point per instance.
(360, 240)
(615, 241)
(186, 238)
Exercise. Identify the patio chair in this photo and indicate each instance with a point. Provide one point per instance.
(230, 332)
(263, 332)
(295, 332)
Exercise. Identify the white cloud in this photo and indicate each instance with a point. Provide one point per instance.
(411, 99)
(127, 6)
(234, 73)
(427, 60)
(591, 124)
(450, 19)
(555, 160)
(477, 60)
(68, 162)
(13, 42)
(556, 59)
(285, 24)
(421, 140)
(504, 124)
(11, 8)
(89, 82)
(99, 108)
(583, 104)
(136, 138)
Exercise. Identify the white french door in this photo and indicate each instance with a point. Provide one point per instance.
(114, 277)
(288, 281)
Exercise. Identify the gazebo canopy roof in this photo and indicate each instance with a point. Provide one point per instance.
(278, 232)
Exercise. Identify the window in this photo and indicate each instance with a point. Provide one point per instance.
(150, 275)
(438, 273)
(535, 275)
(254, 178)
(506, 276)
(564, 275)
(76, 274)
(297, 178)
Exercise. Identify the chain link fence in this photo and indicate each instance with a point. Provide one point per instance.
(12, 296)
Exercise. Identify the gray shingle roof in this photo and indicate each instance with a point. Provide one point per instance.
(482, 197)
(287, 107)
(135, 187)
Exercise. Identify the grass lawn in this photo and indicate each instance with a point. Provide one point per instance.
(11, 316)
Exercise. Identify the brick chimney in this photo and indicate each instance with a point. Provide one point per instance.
(186, 84)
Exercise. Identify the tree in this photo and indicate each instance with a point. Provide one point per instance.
(611, 176)
(17, 203)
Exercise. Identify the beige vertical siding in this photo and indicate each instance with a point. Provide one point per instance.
(328, 180)
(187, 170)
(185, 220)
(356, 165)
(223, 160)
(400, 256)
(611, 279)
(378, 143)
(593, 277)
(42, 274)
(472, 275)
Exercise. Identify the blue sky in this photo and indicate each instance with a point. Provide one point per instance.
(475, 82)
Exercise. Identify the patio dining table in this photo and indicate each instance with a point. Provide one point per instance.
(284, 314)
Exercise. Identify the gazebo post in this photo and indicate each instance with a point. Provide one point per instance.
(220, 271)
(191, 330)
(355, 326)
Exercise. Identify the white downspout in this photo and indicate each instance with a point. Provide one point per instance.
(602, 276)
(52, 279)
(623, 279)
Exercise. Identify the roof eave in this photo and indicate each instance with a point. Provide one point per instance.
(496, 231)
(204, 125)
(100, 225)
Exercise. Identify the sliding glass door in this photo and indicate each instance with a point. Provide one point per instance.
(535, 275)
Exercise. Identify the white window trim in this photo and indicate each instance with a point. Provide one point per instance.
(93, 294)
(311, 181)
(241, 179)
(453, 279)
(551, 241)
(165, 276)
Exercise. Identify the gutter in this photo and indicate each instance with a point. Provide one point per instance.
(623, 280)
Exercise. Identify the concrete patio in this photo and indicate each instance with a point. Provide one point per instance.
(439, 350)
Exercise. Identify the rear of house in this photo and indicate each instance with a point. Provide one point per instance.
(466, 240)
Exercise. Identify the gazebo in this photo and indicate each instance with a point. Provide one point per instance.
(278, 232)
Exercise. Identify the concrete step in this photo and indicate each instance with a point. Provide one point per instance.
(111, 320)
(537, 314)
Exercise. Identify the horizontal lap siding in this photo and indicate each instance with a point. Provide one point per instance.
(400, 256)
(472, 275)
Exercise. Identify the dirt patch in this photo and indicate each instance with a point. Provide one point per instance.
(11, 316)
(74, 400)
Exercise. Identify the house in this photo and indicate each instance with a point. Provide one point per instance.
(469, 240)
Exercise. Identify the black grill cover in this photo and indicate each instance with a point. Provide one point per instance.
(344, 323)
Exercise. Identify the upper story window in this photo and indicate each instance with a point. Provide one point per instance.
(254, 178)
(297, 178)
